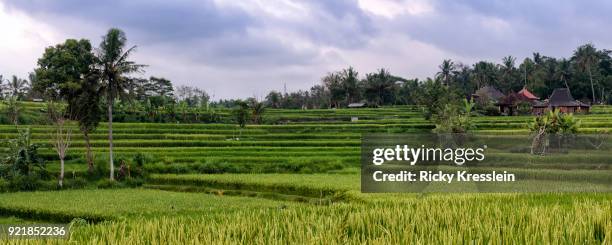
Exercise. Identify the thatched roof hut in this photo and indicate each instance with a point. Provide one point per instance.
(488, 92)
(561, 99)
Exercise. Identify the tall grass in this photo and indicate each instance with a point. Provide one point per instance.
(463, 219)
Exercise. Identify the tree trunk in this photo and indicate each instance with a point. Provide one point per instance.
(591, 78)
(89, 154)
(61, 177)
(110, 138)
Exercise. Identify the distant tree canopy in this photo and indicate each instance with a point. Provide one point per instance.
(588, 74)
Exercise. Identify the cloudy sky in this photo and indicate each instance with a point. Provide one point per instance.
(241, 48)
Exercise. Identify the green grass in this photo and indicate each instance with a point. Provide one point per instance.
(98, 205)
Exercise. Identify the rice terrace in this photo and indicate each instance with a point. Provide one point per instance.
(96, 148)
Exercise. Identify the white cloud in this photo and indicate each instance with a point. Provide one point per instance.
(23, 41)
(392, 8)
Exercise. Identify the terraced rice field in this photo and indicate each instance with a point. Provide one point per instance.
(294, 181)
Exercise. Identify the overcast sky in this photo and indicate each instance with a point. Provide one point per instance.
(240, 48)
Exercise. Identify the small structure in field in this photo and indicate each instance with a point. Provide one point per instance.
(357, 105)
(561, 99)
(37, 100)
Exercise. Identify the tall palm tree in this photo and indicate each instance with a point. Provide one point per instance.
(586, 57)
(257, 111)
(349, 82)
(446, 71)
(16, 86)
(484, 73)
(507, 70)
(114, 65)
(564, 71)
(538, 58)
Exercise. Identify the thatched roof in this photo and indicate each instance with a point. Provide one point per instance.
(561, 97)
(489, 92)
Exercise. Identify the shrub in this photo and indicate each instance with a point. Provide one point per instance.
(75, 183)
(491, 110)
(23, 156)
(4, 185)
(523, 108)
(134, 182)
(24, 183)
(108, 184)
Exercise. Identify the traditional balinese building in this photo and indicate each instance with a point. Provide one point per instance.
(525, 95)
(486, 94)
(509, 104)
(561, 99)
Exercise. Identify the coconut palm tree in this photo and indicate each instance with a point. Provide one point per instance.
(507, 73)
(17, 86)
(257, 111)
(446, 71)
(585, 57)
(114, 65)
(564, 71)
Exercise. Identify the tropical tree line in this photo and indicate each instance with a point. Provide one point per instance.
(587, 73)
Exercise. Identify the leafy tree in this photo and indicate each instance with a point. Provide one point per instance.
(192, 96)
(62, 67)
(87, 111)
(409, 92)
(273, 99)
(333, 83)
(115, 65)
(66, 72)
(319, 97)
(162, 87)
(433, 97)
(350, 80)
(379, 88)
